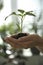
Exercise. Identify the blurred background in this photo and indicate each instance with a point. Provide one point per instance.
(31, 24)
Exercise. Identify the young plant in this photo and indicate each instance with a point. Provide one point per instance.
(21, 14)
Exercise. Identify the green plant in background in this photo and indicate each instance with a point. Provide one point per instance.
(3, 30)
(3, 34)
(1, 4)
(3, 46)
(11, 28)
(21, 14)
(35, 26)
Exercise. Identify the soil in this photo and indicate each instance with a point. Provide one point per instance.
(19, 35)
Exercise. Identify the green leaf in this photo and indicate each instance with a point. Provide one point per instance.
(13, 13)
(21, 11)
(30, 13)
(19, 14)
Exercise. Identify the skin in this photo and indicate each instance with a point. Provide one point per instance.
(29, 41)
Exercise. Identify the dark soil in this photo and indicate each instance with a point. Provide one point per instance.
(19, 35)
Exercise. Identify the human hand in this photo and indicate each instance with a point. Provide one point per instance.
(15, 37)
(28, 41)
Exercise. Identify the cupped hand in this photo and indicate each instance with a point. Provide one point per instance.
(31, 40)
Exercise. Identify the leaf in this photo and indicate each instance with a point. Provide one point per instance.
(30, 13)
(21, 11)
(19, 14)
(13, 13)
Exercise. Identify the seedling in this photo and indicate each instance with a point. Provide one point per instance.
(21, 14)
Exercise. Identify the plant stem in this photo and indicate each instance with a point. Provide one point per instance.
(21, 24)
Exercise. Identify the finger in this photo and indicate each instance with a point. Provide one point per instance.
(10, 39)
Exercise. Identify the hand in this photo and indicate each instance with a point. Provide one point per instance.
(15, 37)
(28, 41)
